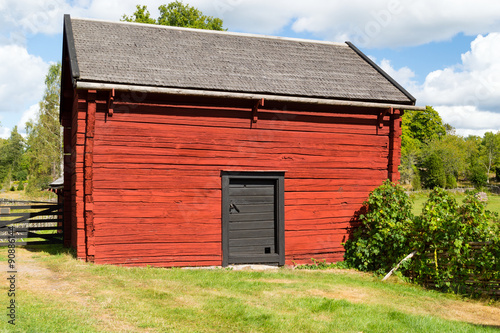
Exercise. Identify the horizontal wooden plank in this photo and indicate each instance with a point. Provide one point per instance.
(275, 162)
(262, 241)
(268, 231)
(245, 259)
(332, 133)
(278, 154)
(253, 200)
(342, 148)
(173, 170)
(264, 216)
(239, 208)
(102, 238)
(246, 251)
(241, 193)
(237, 226)
(146, 222)
(158, 249)
(159, 262)
(240, 118)
(110, 181)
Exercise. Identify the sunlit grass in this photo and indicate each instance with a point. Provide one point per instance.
(58, 293)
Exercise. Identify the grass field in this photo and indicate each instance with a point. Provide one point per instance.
(420, 198)
(57, 293)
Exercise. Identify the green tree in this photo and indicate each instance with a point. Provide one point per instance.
(476, 172)
(450, 149)
(433, 174)
(176, 14)
(425, 126)
(11, 157)
(490, 151)
(44, 152)
(141, 15)
(419, 130)
(410, 151)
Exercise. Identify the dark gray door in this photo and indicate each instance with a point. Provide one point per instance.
(252, 220)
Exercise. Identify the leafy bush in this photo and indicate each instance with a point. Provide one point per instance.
(38, 184)
(478, 176)
(451, 181)
(382, 239)
(21, 186)
(416, 183)
(434, 174)
(441, 236)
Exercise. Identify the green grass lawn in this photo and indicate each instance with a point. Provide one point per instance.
(420, 198)
(57, 293)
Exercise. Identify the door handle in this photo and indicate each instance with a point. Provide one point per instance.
(233, 206)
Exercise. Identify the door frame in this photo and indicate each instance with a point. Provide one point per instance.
(279, 179)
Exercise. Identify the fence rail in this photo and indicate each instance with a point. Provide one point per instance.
(30, 222)
(475, 283)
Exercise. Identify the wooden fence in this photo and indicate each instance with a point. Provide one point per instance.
(475, 283)
(30, 222)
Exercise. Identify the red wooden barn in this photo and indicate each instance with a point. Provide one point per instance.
(189, 147)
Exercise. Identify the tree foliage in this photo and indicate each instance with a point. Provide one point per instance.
(424, 126)
(490, 150)
(12, 166)
(433, 174)
(429, 147)
(44, 139)
(176, 14)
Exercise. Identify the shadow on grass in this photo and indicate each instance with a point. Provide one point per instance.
(487, 326)
(52, 249)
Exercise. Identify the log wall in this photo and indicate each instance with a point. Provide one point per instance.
(147, 184)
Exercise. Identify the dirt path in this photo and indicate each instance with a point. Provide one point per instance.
(35, 277)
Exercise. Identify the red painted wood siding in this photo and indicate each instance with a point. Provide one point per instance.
(153, 193)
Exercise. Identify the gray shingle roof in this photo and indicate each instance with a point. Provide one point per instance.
(151, 55)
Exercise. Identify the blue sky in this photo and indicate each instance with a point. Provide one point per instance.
(446, 53)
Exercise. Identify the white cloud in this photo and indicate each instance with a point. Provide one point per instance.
(404, 76)
(467, 95)
(473, 85)
(468, 120)
(474, 82)
(29, 114)
(21, 18)
(376, 23)
(21, 80)
(4, 132)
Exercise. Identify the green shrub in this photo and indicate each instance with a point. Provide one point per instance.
(382, 239)
(478, 176)
(21, 186)
(442, 238)
(434, 174)
(451, 181)
(416, 183)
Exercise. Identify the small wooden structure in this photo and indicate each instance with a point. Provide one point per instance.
(191, 147)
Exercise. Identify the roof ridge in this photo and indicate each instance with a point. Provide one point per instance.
(227, 33)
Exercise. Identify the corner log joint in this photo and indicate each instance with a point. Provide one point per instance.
(255, 110)
(111, 100)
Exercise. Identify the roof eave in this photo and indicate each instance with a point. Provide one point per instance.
(71, 49)
(382, 72)
(239, 95)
